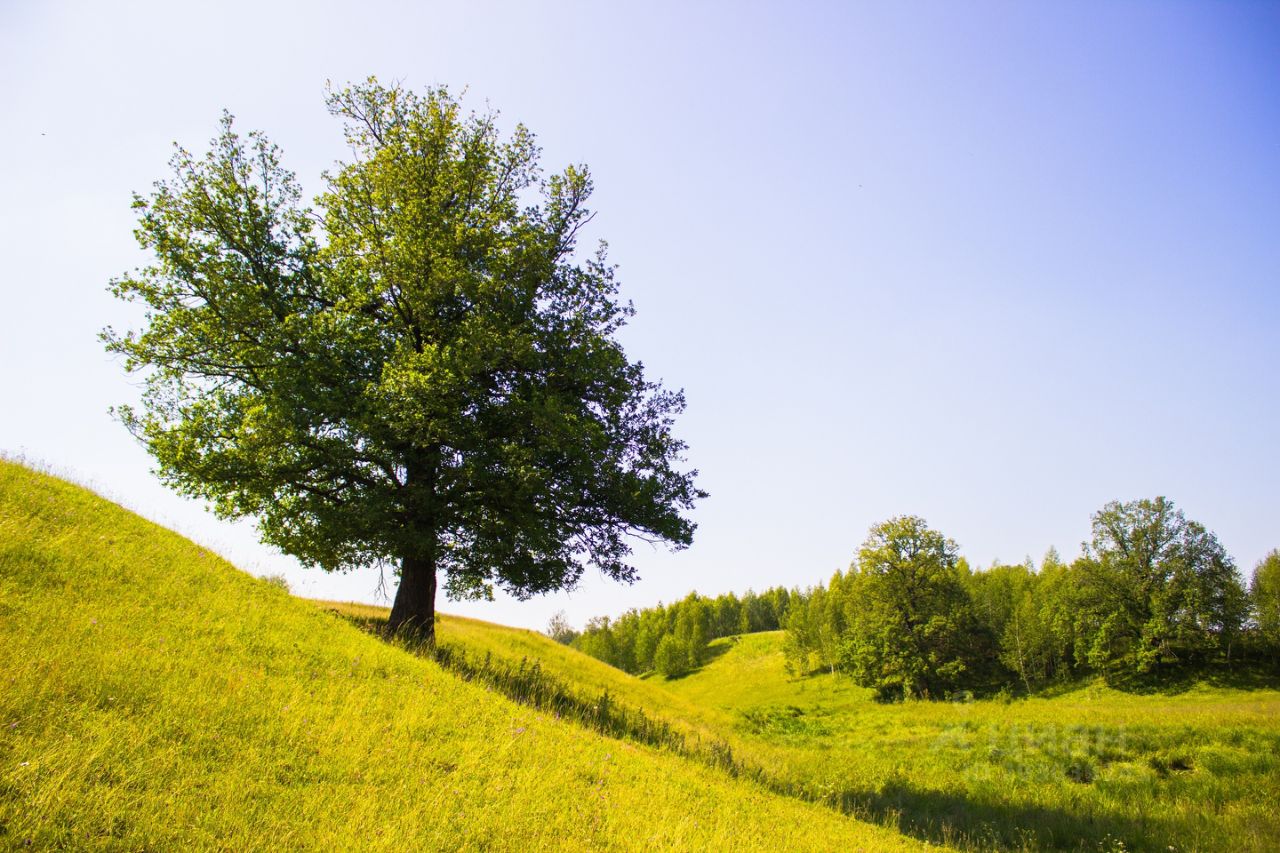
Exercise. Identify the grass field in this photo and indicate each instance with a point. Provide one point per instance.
(156, 698)
(153, 697)
(1090, 767)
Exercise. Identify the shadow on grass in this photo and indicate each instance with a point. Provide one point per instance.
(1175, 680)
(953, 819)
(715, 651)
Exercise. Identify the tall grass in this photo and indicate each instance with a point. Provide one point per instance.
(153, 697)
(1195, 766)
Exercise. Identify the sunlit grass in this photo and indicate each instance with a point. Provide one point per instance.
(1090, 767)
(153, 697)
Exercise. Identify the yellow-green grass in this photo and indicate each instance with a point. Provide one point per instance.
(1090, 767)
(590, 677)
(153, 697)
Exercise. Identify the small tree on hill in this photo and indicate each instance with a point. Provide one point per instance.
(418, 370)
(560, 630)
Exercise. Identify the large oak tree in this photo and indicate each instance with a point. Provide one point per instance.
(1157, 587)
(418, 369)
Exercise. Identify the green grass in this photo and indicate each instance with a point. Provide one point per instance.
(1089, 767)
(153, 697)
(589, 677)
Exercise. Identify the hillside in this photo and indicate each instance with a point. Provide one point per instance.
(155, 697)
(1090, 767)
(1196, 767)
(590, 677)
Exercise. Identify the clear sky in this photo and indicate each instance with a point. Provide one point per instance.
(994, 264)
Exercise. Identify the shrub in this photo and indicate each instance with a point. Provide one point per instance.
(279, 581)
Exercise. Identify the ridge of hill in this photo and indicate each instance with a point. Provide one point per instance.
(592, 678)
(156, 697)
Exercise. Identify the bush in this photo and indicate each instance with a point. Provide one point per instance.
(279, 581)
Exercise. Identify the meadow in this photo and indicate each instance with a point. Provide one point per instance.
(154, 697)
(1195, 766)
(1090, 766)
(157, 698)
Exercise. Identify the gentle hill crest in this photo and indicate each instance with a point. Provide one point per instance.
(157, 697)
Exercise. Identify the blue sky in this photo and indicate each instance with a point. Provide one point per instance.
(994, 264)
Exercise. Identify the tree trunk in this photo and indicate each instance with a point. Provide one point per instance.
(414, 610)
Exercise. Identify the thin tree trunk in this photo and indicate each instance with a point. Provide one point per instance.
(414, 610)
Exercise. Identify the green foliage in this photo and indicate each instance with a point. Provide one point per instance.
(1153, 591)
(913, 631)
(631, 641)
(1264, 594)
(1029, 618)
(418, 368)
(1157, 588)
(671, 658)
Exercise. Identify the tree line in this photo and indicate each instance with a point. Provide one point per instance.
(672, 639)
(1151, 591)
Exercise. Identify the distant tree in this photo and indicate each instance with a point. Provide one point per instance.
(727, 612)
(650, 632)
(419, 369)
(1160, 588)
(802, 640)
(1264, 594)
(671, 658)
(598, 641)
(693, 627)
(560, 630)
(913, 631)
(1005, 609)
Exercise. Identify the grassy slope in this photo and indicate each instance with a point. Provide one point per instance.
(1090, 768)
(1197, 769)
(479, 638)
(154, 697)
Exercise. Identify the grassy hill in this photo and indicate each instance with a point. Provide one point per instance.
(1090, 767)
(156, 698)
(1195, 767)
(587, 676)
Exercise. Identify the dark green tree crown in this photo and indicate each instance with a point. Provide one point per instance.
(418, 365)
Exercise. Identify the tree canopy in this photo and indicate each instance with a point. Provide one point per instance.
(1152, 592)
(1264, 590)
(910, 635)
(1158, 587)
(418, 369)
